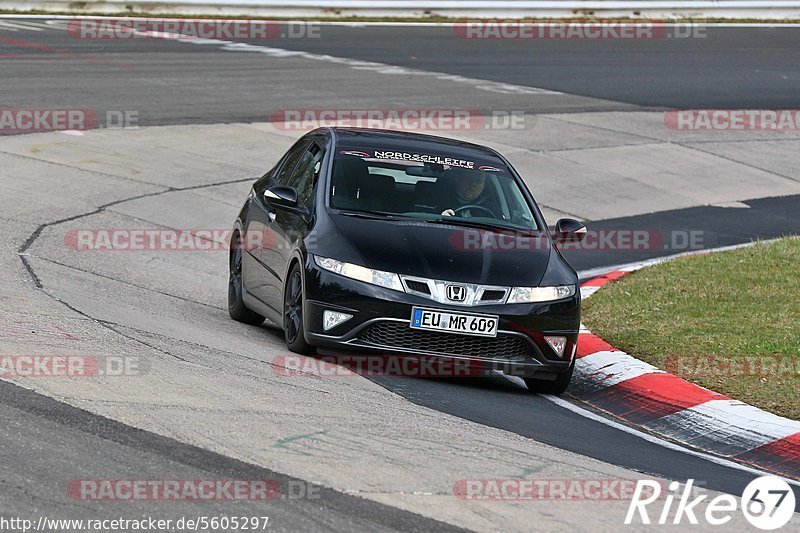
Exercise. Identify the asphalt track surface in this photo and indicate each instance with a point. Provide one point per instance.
(659, 72)
(64, 434)
(178, 83)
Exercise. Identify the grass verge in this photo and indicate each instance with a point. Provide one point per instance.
(728, 321)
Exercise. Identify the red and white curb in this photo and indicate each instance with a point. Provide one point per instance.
(673, 408)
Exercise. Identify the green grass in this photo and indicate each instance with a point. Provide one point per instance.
(723, 307)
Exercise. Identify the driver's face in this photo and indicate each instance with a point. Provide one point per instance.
(470, 187)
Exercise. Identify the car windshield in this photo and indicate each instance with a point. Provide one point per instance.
(430, 186)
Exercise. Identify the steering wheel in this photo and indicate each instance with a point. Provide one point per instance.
(477, 207)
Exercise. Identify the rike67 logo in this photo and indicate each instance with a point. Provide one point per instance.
(767, 503)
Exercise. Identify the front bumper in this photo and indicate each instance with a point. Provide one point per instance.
(380, 324)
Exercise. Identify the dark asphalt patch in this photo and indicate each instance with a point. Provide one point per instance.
(691, 229)
(81, 441)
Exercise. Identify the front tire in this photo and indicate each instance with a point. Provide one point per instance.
(293, 325)
(555, 387)
(236, 307)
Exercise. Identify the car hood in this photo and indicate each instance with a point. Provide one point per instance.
(439, 251)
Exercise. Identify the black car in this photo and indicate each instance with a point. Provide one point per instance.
(407, 244)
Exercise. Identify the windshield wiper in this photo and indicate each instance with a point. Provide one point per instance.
(458, 221)
(376, 215)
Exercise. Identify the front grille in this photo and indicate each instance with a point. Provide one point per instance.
(490, 295)
(398, 335)
(418, 286)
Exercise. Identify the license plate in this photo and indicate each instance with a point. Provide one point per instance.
(480, 325)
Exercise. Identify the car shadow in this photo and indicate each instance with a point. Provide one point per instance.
(494, 382)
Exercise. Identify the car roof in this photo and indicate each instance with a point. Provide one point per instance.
(392, 139)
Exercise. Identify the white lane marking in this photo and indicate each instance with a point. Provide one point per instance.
(384, 68)
(725, 427)
(381, 68)
(601, 370)
(431, 24)
(27, 26)
(588, 291)
(32, 26)
(57, 24)
(5, 26)
(658, 441)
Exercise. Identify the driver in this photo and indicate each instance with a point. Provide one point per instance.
(467, 189)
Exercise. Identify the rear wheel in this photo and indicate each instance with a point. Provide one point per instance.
(293, 326)
(236, 307)
(557, 386)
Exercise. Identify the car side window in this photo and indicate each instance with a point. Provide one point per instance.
(289, 163)
(306, 173)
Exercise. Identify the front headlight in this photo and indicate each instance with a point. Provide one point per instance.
(367, 275)
(521, 295)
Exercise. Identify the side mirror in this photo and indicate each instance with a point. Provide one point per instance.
(281, 196)
(569, 230)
